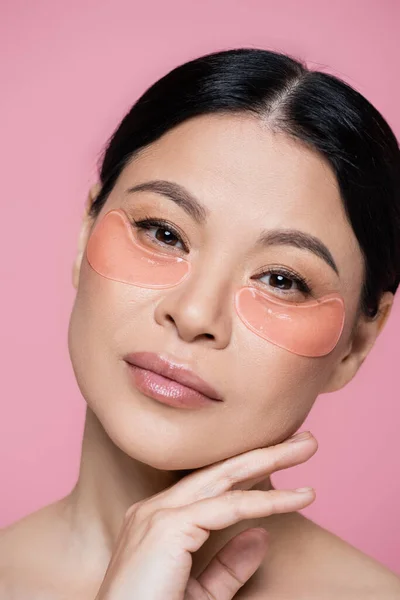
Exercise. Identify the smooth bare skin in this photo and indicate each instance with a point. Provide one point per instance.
(248, 179)
(153, 555)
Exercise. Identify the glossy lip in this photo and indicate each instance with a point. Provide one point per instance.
(172, 370)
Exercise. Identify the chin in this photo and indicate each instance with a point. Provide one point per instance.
(159, 440)
(163, 451)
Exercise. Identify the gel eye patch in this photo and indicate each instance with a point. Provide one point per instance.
(311, 328)
(114, 252)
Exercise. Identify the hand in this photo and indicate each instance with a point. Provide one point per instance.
(152, 558)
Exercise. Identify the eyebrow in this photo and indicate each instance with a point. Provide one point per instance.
(268, 237)
(180, 195)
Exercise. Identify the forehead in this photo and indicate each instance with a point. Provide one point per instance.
(237, 166)
(236, 161)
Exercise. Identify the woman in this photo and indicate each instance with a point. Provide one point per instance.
(238, 257)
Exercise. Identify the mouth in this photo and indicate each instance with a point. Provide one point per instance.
(172, 371)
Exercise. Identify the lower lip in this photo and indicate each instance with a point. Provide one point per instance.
(166, 390)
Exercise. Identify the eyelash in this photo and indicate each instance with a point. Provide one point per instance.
(304, 285)
(150, 222)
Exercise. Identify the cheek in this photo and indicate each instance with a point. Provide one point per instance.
(273, 391)
(106, 317)
(106, 306)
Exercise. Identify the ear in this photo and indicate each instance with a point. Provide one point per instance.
(363, 337)
(86, 225)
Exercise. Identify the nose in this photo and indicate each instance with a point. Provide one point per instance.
(200, 308)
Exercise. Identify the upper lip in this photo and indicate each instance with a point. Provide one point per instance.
(172, 370)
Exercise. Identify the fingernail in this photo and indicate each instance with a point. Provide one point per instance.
(304, 490)
(299, 437)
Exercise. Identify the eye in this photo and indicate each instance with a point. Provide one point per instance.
(286, 282)
(166, 234)
(281, 282)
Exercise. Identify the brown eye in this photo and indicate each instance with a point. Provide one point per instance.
(284, 282)
(165, 236)
(280, 281)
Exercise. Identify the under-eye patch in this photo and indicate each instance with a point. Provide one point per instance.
(311, 328)
(115, 252)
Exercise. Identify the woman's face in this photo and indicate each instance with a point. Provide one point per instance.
(249, 180)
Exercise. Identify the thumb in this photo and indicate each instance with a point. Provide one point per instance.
(234, 564)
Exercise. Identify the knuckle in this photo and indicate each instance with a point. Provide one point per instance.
(274, 500)
(225, 473)
(161, 517)
(284, 454)
(228, 478)
(236, 499)
(277, 459)
(137, 512)
(209, 489)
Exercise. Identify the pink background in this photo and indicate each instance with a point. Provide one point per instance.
(69, 72)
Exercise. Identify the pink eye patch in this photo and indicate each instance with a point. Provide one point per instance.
(311, 328)
(114, 252)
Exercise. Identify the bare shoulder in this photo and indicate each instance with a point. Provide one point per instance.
(307, 562)
(22, 542)
(28, 553)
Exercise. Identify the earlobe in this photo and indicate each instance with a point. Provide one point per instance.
(86, 225)
(362, 340)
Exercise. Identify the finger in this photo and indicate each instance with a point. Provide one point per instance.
(215, 479)
(234, 506)
(234, 564)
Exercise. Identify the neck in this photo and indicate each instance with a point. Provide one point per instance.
(110, 482)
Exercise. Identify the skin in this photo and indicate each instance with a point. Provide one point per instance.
(248, 178)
